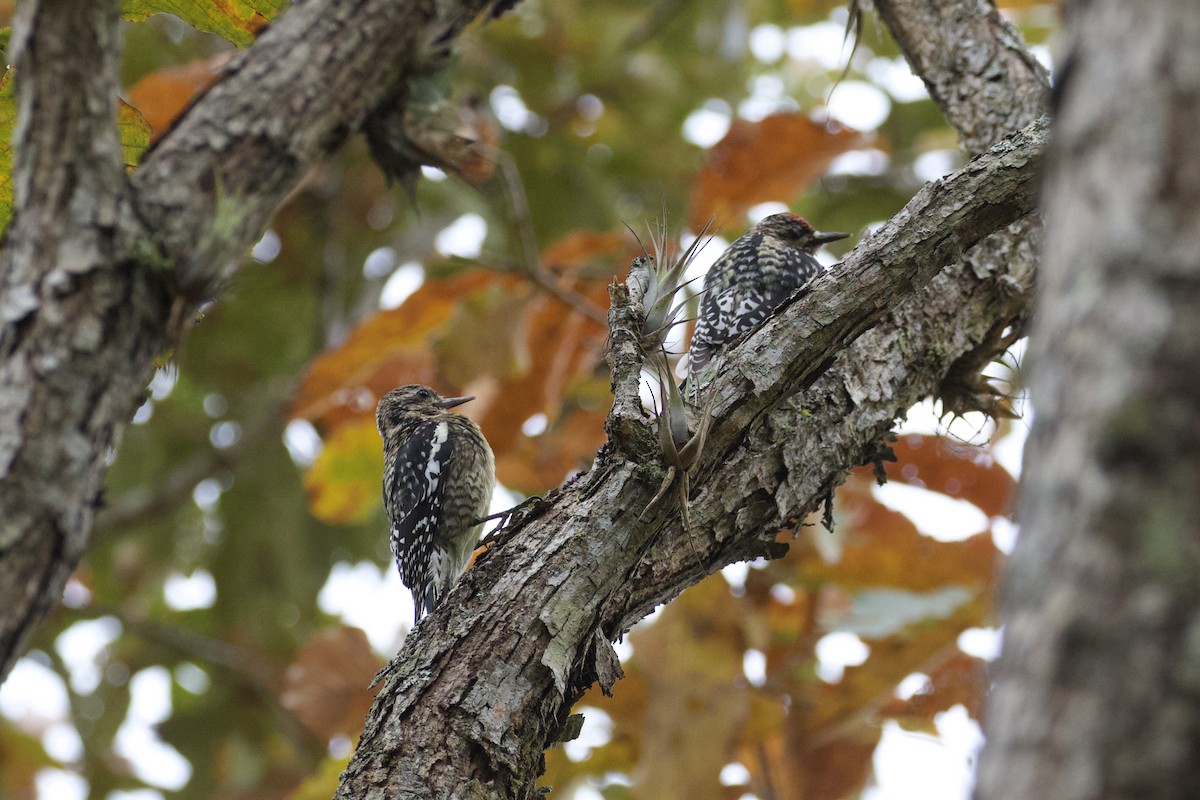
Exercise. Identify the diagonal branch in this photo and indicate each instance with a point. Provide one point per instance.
(476, 694)
(205, 192)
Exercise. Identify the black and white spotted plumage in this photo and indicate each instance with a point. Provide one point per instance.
(438, 477)
(748, 282)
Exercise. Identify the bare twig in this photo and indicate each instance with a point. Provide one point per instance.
(531, 260)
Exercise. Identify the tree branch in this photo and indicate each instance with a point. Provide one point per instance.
(974, 64)
(988, 85)
(475, 695)
(474, 699)
(205, 192)
(99, 273)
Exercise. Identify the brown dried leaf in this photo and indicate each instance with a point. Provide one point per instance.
(829, 772)
(326, 686)
(777, 159)
(562, 350)
(859, 699)
(535, 462)
(883, 549)
(959, 680)
(593, 254)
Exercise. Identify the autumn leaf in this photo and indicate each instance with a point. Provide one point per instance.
(562, 348)
(134, 132)
(238, 21)
(343, 483)
(956, 469)
(960, 679)
(777, 159)
(163, 94)
(390, 349)
(326, 687)
(8, 119)
(885, 550)
(132, 129)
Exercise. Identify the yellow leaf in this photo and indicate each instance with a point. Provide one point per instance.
(390, 349)
(343, 483)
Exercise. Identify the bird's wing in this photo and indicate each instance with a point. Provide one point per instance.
(417, 487)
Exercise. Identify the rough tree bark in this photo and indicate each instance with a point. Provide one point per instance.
(477, 694)
(1097, 692)
(99, 271)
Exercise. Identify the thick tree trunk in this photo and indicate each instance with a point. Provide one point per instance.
(78, 331)
(1098, 689)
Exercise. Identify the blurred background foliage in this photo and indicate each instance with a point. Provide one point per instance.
(239, 595)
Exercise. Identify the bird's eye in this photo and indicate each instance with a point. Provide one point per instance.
(424, 394)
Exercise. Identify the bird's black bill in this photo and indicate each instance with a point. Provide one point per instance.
(451, 402)
(824, 237)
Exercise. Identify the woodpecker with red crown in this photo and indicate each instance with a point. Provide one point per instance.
(747, 283)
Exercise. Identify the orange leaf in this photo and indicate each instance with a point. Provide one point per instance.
(577, 251)
(883, 549)
(775, 159)
(390, 349)
(959, 470)
(865, 690)
(162, 95)
(960, 679)
(562, 347)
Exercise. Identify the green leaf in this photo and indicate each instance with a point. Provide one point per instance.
(134, 130)
(239, 21)
(8, 120)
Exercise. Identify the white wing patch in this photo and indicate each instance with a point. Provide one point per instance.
(433, 467)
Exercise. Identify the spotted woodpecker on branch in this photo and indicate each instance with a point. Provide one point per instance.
(747, 283)
(438, 477)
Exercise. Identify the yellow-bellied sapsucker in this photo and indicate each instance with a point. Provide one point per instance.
(748, 282)
(438, 477)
